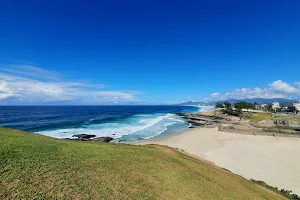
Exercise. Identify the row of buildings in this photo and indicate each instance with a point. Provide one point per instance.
(276, 106)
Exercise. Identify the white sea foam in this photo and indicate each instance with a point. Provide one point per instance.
(136, 127)
(205, 108)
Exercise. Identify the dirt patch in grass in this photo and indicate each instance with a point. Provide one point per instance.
(164, 149)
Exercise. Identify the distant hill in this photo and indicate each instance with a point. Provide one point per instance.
(263, 101)
(190, 103)
(257, 100)
(268, 101)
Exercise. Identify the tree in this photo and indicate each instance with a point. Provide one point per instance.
(227, 105)
(243, 104)
(229, 111)
(219, 105)
(292, 108)
(255, 105)
(238, 113)
(269, 108)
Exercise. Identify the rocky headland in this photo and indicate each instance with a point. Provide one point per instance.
(234, 124)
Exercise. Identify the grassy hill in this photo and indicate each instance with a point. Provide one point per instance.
(34, 166)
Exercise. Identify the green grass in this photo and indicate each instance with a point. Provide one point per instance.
(256, 117)
(38, 167)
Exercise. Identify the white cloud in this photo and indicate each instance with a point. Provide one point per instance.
(297, 83)
(32, 72)
(276, 89)
(5, 92)
(27, 84)
(216, 94)
(283, 87)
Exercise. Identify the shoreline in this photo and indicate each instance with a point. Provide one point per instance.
(274, 160)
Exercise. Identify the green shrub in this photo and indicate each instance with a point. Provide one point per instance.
(286, 193)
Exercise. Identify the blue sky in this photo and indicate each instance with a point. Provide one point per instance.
(148, 52)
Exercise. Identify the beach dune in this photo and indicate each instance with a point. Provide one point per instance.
(275, 160)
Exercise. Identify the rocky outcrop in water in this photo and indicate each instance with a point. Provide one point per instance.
(102, 139)
(88, 137)
(202, 120)
(84, 136)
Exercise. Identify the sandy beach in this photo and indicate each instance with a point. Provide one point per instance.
(275, 160)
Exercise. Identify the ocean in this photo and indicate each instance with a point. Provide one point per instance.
(123, 123)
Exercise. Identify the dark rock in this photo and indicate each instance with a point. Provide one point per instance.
(77, 139)
(180, 114)
(193, 118)
(102, 139)
(84, 136)
(197, 123)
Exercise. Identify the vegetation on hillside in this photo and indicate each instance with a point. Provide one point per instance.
(38, 167)
(228, 109)
(286, 193)
(237, 108)
(293, 109)
(238, 105)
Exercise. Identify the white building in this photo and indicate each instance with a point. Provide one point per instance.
(275, 106)
(297, 105)
(262, 107)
